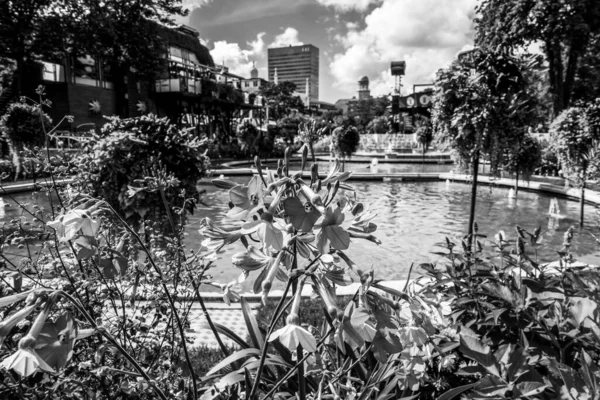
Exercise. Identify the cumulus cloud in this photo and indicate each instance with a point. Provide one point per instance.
(289, 37)
(427, 34)
(349, 5)
(238, 59)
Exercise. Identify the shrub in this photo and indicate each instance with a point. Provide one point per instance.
(116, 164)
(23, 127)
(345, 141)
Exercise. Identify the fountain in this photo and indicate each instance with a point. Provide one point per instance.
(374, 165)
(554, 210)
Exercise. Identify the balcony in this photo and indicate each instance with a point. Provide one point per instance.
(180, 85)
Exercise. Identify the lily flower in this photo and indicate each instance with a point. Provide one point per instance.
(252, 259)
(330, 232)
(69, 225)
(213, 231)
(292, 334)
(268, 230)
(301, 216)
(25, 361)
(246, 199)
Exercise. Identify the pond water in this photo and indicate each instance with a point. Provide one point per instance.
(412, 217)
(366, 167)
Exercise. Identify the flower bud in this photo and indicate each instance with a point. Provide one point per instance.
(27, 342)
(293, 319)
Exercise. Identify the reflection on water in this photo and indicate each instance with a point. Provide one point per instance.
(412, 217)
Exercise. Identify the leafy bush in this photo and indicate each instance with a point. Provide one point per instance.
(345, 141)
(120, 166)
(23, 127)
(247, 134)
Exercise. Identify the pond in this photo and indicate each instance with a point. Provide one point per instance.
(412, 218)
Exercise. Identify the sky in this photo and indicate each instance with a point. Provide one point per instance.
(356, 37)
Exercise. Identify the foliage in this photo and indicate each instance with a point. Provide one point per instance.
(525, 158)
(481, 105)
(574, 135)
(247, 135)
(366, 110)
(378, 125)
(116, 164)
(96, 313)
(564, 29)
(345, 141)
(280, 98)
(23, 125)
(289, 127)
(122, 32)
(23, 128)
(424, 135)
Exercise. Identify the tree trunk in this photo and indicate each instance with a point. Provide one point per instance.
(312, 152)
(473, 195)
(581, 204)
(555, 72)
(570, 75)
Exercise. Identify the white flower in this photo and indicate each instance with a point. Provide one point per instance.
(69, 225)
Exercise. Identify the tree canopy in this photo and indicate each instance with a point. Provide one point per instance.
(123, 31)
(563, 28)
(481, 105)
(281, 97)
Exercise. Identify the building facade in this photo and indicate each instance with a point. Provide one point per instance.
(297, 64)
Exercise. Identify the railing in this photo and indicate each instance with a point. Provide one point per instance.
(68, 140)
(382, 142)
(178, 85)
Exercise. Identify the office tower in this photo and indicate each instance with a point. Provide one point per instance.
(298, 64)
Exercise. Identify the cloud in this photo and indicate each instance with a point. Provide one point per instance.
(349, 5)
(289, 37)
(427, 34)
(238, 59)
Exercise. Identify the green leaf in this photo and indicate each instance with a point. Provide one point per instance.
(227, 332)
(238, 355)
(581, 310)
(452, 393)
(477, 351)
(224, 183)
(527, 389)
(251, 324)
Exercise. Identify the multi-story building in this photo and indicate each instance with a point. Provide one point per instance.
(254, 84)
(189, 88)
(297, 64)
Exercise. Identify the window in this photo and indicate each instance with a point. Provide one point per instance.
(246, 84)
(53, 72)
(255, 83)
(87, 71)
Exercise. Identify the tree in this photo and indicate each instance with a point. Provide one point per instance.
(563, 28)
(281, 97)
(345, 141)
(29, 31)
(575, 136)
(523, 159)
(22, 126)
(125, 32)
(475, 100)
(424, 135)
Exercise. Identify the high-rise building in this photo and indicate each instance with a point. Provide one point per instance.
(298, 64)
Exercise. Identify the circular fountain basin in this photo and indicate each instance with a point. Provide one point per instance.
(412, 218)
